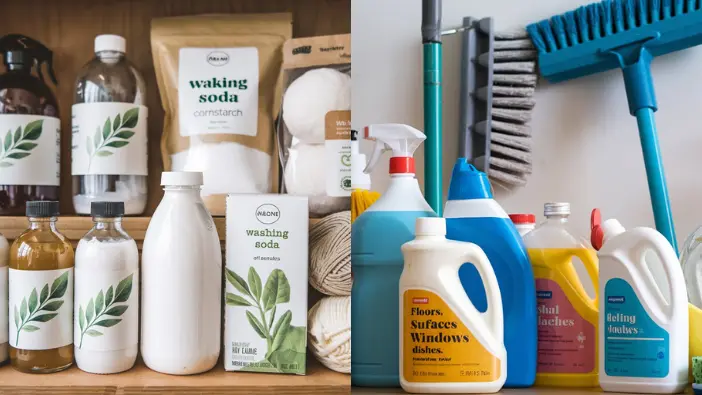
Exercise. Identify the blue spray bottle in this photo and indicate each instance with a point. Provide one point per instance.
(472, 215)
(376, 258)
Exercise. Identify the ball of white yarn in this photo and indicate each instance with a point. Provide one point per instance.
(305, 175)
(329, 332)
(330, 254)
(310, 97)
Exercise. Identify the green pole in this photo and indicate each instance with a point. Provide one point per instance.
(433, 191)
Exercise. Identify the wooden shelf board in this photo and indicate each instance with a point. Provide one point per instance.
(74, 227)
(142, 380)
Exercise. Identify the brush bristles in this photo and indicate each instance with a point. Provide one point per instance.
(603, 19)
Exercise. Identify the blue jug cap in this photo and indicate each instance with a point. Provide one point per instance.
(467, 182)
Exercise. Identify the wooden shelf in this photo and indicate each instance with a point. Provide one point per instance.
(75, 227)
(141, 380)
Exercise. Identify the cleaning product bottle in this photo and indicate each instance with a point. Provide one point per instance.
(524, 223)
(29, 126)
(566, 313)
(376, 259)
(643, 343)
(473, 215)
(448, 346)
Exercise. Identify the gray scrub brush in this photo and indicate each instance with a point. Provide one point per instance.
(498, 80)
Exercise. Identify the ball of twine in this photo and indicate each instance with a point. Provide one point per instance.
(330, 254)
(329, 332)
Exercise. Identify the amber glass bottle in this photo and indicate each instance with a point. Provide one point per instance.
(41, 294)
(29, 126)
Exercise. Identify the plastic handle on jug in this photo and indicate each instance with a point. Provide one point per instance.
(655, 242)
(493, 315)
(591, 266)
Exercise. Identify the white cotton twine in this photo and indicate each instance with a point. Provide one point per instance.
(329, 332)
(330, 254)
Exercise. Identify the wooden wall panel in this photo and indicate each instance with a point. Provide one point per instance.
(68, 27)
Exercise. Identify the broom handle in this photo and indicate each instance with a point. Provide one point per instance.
(636, 67)
(656, 176)
(431, 38)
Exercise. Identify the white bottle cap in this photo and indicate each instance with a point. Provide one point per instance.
(181, 178)
(611, 228)
(430, 226)
(110, 42)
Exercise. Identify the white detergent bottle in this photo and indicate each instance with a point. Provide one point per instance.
(643, 339)
(446, 345)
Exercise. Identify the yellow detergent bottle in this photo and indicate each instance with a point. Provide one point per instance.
(567, 315)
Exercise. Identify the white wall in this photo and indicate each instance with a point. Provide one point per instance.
(586, 145)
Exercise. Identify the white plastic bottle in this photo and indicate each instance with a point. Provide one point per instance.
(446, 344)
(106, 319)
(643, 337)
(524, 223)
(4, 329)
(181, 281)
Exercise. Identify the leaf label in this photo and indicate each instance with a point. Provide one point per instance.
(29, 149)
(106, 304)
(43, 303)
(109, 138)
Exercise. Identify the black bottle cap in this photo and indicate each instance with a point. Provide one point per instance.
(107, 209)
(43, 208)
(33, 53)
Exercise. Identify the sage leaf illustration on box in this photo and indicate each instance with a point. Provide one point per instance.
(114, 134)
(41, 307)
(286, 343)
(104, 309)
(19, 145)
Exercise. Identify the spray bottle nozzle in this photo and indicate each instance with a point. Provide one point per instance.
(401, 139)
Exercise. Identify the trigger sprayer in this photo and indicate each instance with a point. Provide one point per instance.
(20, 49)
(401, 139)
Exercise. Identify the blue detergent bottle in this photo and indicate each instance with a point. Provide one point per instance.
(377, 261)
(472, 215)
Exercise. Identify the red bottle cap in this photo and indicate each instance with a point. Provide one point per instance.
(401, 164)
(596, 232)
(523, 218)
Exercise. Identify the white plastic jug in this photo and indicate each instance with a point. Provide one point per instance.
(446, 344)
(643, 338)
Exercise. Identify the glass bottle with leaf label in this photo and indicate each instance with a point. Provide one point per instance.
(109, 149)
(41, 294)
(29, 126)
(105, 330)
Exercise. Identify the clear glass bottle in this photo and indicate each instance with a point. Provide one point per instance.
(181, 252)
(41, 294)
(105, 330)
(109, 121)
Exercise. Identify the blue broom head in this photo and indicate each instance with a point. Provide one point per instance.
(584, 41)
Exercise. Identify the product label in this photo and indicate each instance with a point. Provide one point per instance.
(635, 346)
(106, 309)
(566, 340)
(3, 305)
(337, 146)
(41, 308)
(30, 150)
(265, 326)
(218, 91)
(109, 138)
(437, 347)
